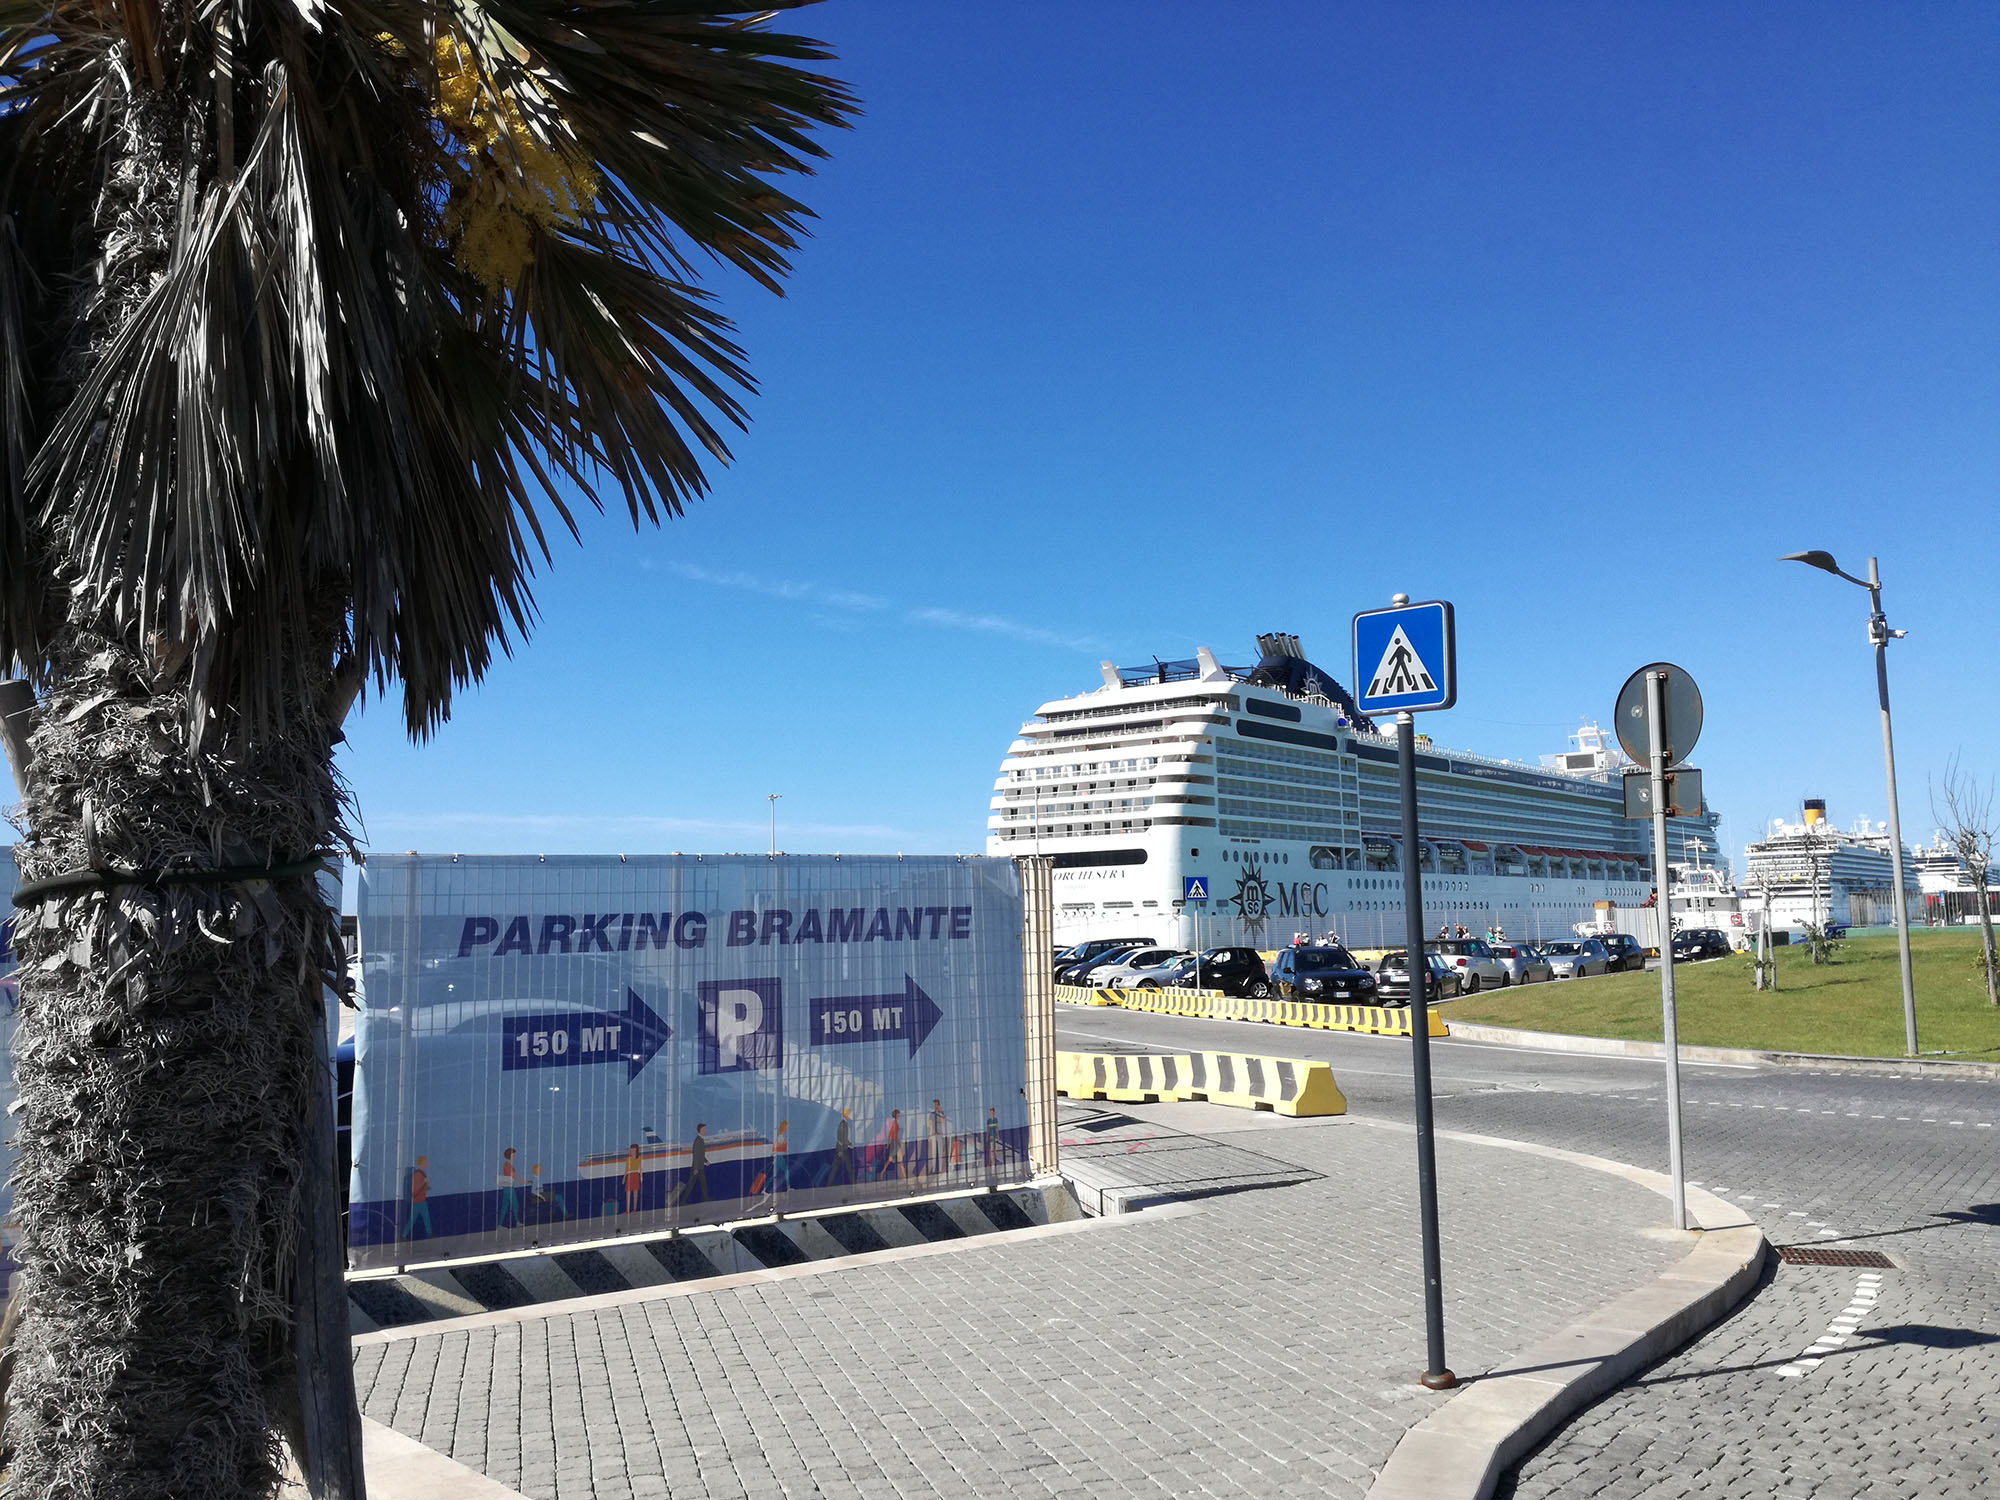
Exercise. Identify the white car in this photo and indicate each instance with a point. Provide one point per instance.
(1106, 975)
(1474, 963)
(1576, 960)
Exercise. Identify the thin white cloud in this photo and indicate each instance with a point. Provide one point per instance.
(576, 825)
(779, 588)
(951, 619)
(859, 603)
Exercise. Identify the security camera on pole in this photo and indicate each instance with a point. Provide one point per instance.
(1658, 719)
(1405, 661)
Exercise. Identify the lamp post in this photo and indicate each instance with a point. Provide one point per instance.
(774, 796)
(1879, 635)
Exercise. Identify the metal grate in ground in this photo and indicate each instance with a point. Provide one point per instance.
(1817, 1255)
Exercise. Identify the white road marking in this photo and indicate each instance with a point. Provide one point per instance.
(1840, 1330)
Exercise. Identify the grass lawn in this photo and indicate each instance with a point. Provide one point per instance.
(1853, 1005)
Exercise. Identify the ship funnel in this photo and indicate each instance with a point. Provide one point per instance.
(1815, 810)
(1277, 644)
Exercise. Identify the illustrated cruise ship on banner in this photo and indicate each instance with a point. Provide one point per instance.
(1270, 787)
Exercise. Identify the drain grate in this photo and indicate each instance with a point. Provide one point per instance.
(1814, 1255)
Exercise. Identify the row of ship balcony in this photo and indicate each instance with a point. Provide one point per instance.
(1377, 854)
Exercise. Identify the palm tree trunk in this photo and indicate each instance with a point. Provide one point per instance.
(167, 1073)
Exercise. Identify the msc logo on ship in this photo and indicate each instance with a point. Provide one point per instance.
(1253, 896)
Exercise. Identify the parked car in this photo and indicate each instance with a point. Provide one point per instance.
(1699, 943)
(1524, 962)
(1234, 971)
(1086, 956)
(1327, 972)
(1137, 976)
(1626, 951)
(1576, 960)
(1392, 978)
(1106, 972)
(1474, 961)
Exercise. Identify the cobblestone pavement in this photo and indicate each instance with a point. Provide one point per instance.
(1265, 1345)
(1907, 1405)
(1904, 1400)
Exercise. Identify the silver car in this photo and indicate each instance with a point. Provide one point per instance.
(1569, 960)
(1524, 962)
(1152, 976)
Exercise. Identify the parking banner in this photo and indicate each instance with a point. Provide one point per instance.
(580, 1047)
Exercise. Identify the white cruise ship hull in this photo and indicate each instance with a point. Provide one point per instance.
(1267, 786)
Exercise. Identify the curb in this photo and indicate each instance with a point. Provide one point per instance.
(401, 1468)
(426, 1296)
(1461, 1450)
(1599, 1046)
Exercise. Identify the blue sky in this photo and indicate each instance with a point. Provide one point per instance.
(1133, 327)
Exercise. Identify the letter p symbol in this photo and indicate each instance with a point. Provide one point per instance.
(742, 1025)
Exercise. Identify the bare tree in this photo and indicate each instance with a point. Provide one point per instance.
(1963, 806)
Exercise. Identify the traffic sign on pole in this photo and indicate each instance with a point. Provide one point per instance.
(1404, 663)
(1405, 658)
(1659, 718)
(1194, 887)
(1680, 725)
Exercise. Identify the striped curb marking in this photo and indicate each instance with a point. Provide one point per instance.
(432, 1293)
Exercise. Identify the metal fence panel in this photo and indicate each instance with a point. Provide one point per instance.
(575, 1047)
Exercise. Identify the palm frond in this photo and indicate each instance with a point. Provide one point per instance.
(301, 383)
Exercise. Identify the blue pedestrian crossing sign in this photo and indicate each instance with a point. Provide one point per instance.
(1405, 658)
(1194, 887)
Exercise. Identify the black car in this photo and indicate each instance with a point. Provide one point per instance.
(1699, 943)
(1328, 973)
(1234, 971)
(1626, 951)
(1070, 967)
(1392, 978)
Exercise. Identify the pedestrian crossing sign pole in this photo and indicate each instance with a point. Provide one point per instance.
(1194, 895)
(1404, 663)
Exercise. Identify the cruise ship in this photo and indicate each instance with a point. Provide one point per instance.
(1945, 878)
(1268, 785)
(1816, 874)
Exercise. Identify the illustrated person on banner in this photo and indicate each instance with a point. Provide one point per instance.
(420, 1194)
(842, 1169)
(781, 1160)
(992, 1140)
(544, 1198)
(697, 1177)
(936, 1140)
(634, 1177)
(892, 1147)
(510, 1195)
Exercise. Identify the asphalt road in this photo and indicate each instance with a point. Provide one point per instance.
(1824, 1384)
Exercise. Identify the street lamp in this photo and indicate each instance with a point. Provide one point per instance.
(774, 796)
(1879, 636)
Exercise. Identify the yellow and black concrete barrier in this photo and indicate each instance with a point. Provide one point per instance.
(1376, 1020)
(1282, 1085)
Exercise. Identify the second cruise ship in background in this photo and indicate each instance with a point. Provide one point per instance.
(1270, 786)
